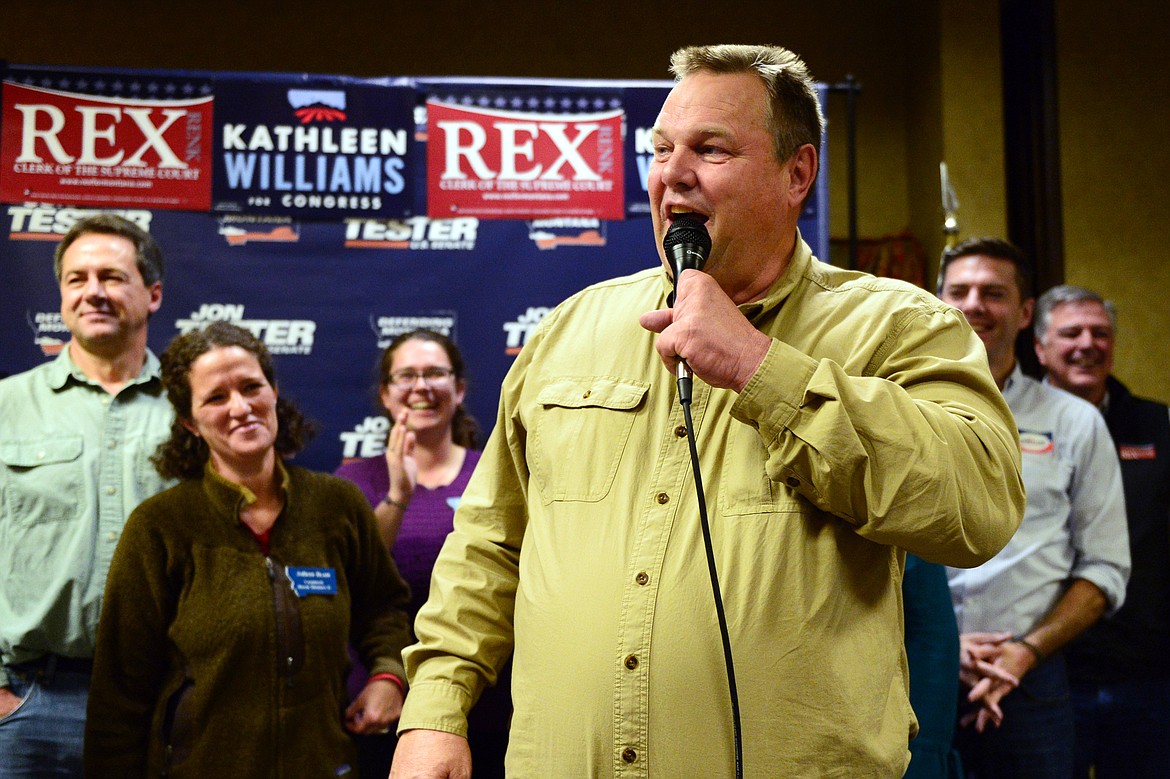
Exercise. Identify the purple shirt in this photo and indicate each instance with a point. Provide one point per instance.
(425, 525)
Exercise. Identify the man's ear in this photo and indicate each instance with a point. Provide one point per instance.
(155, 291)
(802, 166)
(1029, 308)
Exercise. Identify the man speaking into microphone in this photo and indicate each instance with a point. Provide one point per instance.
(840, 420)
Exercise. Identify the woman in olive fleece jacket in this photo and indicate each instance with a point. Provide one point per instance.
(222, 649)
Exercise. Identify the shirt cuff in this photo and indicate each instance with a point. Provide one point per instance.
(435, 705)
(772, 397)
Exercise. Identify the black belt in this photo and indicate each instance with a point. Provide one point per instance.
(48, 666)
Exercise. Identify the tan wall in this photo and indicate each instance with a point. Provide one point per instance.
(1114, 78)
(973, 114)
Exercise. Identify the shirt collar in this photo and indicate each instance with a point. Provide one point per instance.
(230, 496)
(1013, 380)
(797, 269)
(62, 369)
(1103, 406)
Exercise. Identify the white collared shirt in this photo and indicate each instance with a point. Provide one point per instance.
(1074, 524)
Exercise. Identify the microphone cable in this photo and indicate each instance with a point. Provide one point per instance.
(687, 244)
(684, 399)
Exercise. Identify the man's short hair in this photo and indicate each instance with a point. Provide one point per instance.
(996, 249)
(1068, 293)
(794, 113)
(147, 254)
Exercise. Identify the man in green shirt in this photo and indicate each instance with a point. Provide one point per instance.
(841, 419)
(76, 435)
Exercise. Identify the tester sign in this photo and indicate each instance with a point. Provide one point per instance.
(509, 165)
(65, 147)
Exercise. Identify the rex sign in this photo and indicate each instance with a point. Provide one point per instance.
(82, 149)
(498, 164)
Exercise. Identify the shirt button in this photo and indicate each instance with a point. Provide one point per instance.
(629, 755)
(663, 498)
(40, 455)
(111, 490)
(631, 662)
(681, 431)
(112, 536)
(792, 482)
(111, 444)
(642, 578)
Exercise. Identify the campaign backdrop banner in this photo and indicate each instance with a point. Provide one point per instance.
(642, 103)
(313, 148)
(327, 296)
(814, 220)
(498, 163)
(328, 292)
(106, 138)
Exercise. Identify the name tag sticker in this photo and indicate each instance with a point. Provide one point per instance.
(1032, 442)
(312, 581)
(1137, 452)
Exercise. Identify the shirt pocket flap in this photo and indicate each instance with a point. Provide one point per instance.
(588, 414)
(30, 454)
(594, 392)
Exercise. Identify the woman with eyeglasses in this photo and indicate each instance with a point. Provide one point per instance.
(429, 455)
(414, 489)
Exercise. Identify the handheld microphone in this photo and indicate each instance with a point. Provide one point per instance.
(686, 245)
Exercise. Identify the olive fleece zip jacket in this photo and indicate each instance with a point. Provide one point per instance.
(209, 662)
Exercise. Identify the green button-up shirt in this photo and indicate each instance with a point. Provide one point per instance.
(74, 462)
(872, 426)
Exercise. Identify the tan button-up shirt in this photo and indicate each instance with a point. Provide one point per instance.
(873, 425)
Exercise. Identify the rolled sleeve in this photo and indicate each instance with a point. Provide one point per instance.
(918, 451)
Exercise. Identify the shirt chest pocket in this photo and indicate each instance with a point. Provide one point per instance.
(1049, 478)
(582, 431)
(43, 479)
(746, 488)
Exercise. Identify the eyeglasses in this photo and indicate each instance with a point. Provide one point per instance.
(432, 377)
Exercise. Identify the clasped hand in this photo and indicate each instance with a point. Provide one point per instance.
(991, 666)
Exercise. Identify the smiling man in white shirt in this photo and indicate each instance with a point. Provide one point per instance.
(1066, 566)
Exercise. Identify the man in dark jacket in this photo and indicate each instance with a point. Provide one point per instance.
(1120, 677)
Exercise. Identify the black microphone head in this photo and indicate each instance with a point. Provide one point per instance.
(687, 229)
(686, 244)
